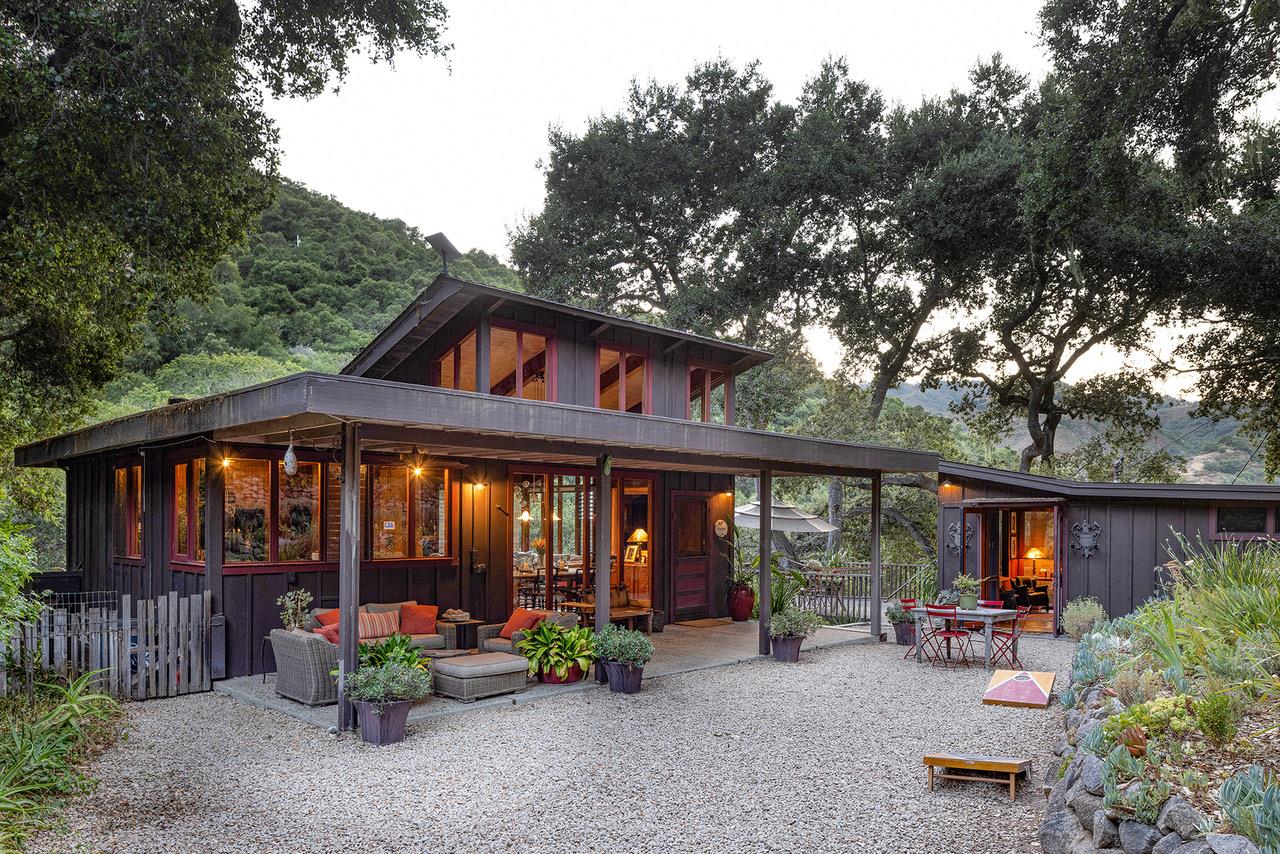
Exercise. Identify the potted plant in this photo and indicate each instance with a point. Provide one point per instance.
(382, 695)
(966, 589)
(742, 596)
(623, 653)
(788, 629)
(904, 624)
(556, 654)
(294, 605)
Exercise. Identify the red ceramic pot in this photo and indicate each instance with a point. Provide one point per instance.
(742, 601)
(549, 676)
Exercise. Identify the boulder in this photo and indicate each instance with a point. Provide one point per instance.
(1106, 832)
(1085, 805)
(1062, 747)
(1196, 846)
(1085, 728)
(1060, 832)
(1168, 843)
(1179, 816)
(1138, 838)
(1091, 768)
(1073, 719)
(1230, 843)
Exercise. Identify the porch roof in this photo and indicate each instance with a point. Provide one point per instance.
(398, 416)
(1082, 491)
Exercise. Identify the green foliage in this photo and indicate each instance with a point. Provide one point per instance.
(1251, 802)
(1080, 615)
(552, 648)
(626, 646)
(43, 740)
(396, 649)
(17, 563)
(1135, 684)
(896, 614)
(1158, 717)
(965, 585)
(1152, 790)
(294, 605)
(1217, 718)
(792, 623)
(388, 682)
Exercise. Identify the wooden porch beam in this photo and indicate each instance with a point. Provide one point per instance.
(215, 489)
(604, 544)
(766, 557)
(877, 581)
(671, 348)
(601, 329)
(348, 570)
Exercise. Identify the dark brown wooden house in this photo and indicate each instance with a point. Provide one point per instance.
(1047, 541)
(502, 444)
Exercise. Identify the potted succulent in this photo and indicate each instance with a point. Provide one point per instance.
(742, 596)
(788, 629)
(904, 624)
(966, 588)
(382, 695)
(623, 653)
(294, 605)
(556, 654)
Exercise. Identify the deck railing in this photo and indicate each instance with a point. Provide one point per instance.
(843, 594)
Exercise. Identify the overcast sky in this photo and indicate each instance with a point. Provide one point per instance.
(453, 144)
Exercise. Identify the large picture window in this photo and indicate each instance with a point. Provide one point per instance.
(299, 513)
(519, 364)
(707, 395)
(623, 380)
(456, 368)
(408, 498)
(126, 517)
(188, 510)
(247, 510)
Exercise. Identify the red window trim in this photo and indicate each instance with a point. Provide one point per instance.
(134, 489)
(624, 350)
(707, 387)
(455, 347)
(1242, 536)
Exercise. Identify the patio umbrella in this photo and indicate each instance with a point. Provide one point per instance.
(786, 518)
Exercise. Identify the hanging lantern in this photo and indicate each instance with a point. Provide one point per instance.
(290, 458)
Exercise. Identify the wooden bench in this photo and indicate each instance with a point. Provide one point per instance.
(948, 763)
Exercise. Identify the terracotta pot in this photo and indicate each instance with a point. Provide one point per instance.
(385, 728)
(549, 676)
(623, 678)
(904, 633)
(787, 649)
(742, 601)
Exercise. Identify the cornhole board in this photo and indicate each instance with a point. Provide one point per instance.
(1001, 770)
(1027, 688)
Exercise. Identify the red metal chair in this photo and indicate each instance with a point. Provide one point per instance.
(909, 605)
(1004, 642)
(981, 628)
(939, 639)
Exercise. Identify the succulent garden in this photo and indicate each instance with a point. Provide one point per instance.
(1173, 715)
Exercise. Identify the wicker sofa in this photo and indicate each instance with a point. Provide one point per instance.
(446, 636)
(304, 662)
(488, 637)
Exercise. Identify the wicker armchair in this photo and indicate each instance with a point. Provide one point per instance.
(303, 663)
(488, 639)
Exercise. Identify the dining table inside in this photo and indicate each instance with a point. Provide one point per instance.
(989, 617)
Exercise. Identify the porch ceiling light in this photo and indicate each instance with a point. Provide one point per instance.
(290, 458)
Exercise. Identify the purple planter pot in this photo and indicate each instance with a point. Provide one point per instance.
(623, 678)
(904, 633)
(385, 728)
(787, 649)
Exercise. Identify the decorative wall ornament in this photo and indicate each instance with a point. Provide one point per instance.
(957, 543)
(1085, 537)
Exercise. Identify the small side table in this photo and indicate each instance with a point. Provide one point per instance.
(466, 631)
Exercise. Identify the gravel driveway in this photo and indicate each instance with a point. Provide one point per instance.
(819, 756)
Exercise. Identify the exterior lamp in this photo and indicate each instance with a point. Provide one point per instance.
(524, 515)
(417, 471)
(290, 458)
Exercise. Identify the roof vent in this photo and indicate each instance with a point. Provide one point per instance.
(446, 250)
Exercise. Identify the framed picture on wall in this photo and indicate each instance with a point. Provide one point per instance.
(633, 553)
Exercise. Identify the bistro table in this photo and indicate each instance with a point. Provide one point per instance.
(987, 616)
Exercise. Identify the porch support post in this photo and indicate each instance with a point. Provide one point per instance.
(877, 588)
(604, 544)
(348, 569)
(215, 488)
(766, 557)
(484, 383)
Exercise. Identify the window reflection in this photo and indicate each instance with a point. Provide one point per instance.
(247, 510)
(299, 534)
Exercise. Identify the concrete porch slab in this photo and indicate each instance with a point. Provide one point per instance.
(677, 649)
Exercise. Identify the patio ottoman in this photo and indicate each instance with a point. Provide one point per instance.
(471, 677)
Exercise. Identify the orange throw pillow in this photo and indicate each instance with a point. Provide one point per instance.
(329, 633)
(327, 618)
(522, 620)
(418, 619)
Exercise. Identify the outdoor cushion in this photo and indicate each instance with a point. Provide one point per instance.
(418, 619)
(327, 618)
(380, 607)
(426, 641)
(499, 645)
(379, 624)
(520, 621)
(476, 666)
(329, 633)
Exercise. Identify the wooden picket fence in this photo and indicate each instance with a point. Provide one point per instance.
(144, 648)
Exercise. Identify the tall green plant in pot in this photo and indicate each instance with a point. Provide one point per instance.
(556, 654)
(623, 653)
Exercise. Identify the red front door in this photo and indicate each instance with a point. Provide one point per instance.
(691, 577)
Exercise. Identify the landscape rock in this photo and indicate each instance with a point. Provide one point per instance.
(1168, 844)
(1106, 832)
(1197, 846)
(1085, 805)
(1085, 728)
(1179, 816)
(1230, 843)
(1063, 746)
(1091, 768)
(1138, 838)
(1073, 719)
(1061, 833)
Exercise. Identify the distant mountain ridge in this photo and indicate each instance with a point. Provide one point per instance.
(1215, 451)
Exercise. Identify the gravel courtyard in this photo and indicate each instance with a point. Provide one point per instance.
(819, 756)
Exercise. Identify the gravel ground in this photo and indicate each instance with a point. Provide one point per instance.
(819, 756)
